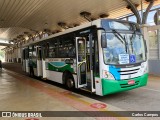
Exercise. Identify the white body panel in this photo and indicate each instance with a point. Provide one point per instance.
(54, 76)
(98, 86)
(35, 71)
(44, 68)
(75, 80)
(39, 67)
(27, 66)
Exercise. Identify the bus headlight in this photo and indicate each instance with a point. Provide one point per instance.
(143, 66)
(146, 70)
(108, 75)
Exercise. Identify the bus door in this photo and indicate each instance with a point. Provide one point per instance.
(85, 63)
(39, 61)
(81, 62)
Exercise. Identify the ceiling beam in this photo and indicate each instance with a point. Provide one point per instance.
(145, 14)
(5, 44)
(134, 10)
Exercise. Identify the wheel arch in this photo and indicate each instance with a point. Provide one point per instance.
(67, 73)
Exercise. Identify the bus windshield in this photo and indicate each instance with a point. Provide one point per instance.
(124, 48)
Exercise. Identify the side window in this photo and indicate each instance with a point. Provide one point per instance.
(39, 52)
(34, 52)
(46, 50)
(66, 46)
(72, 48)
(23, 55)
(26, 53)
(63, 49)
(53, 49)
(43, 51)
(30, 52)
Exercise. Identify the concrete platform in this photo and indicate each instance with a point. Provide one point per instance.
(19, 92)
(22, 93)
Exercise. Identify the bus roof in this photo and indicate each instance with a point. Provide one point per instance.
(89, 24)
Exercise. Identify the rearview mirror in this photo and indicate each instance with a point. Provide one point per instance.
(103, 40)
(145, 45)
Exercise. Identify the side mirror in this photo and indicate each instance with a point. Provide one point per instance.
(145, 45)
(103, 40)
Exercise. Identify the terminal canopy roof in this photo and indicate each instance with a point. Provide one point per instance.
(19, 16)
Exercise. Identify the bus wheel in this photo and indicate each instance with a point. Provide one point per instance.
(69, 82)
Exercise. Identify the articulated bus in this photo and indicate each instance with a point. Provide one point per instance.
(104, 56)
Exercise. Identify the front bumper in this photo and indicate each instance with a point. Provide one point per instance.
(114, 86)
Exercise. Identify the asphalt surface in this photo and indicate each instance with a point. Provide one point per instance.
(142, 99)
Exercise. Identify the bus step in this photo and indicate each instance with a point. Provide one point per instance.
(44, 78)
(86, 89)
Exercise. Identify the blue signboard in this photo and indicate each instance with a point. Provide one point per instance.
(132, 58)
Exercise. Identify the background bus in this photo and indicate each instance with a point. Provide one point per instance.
(104, 57)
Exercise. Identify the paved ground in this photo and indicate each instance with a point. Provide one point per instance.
(21, 93)
(141, 99)
(144, 98)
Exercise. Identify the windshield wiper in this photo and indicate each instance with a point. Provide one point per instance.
(131, 43)
(131, 39)
(118, 38)
(121, 38)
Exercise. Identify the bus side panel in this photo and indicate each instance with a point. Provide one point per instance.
(44, 69)
(39, 67)
(24, 65)
(75, 81)
(27, 66)
(35, 71)
(54, 76)
(98, 86)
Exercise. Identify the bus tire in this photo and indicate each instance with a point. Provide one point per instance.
(69, 81)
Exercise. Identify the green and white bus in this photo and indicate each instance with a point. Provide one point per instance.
(104, 56)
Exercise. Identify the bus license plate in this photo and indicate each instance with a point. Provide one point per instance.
(131, 82)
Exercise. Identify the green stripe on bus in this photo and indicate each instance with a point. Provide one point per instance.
(59, 67)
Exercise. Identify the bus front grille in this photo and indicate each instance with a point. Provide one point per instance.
(126, 85)
(128, 72)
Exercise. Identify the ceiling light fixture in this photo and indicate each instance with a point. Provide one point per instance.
(86, 15)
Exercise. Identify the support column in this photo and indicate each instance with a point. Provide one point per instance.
(158, 38)
(158, 34)
(145, 14)
(146, 37)
(133, 8)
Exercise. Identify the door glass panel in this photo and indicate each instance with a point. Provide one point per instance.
(81, 43)
(83, 74)
(81, 50)
(39, 53)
